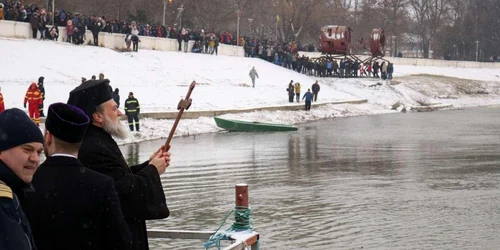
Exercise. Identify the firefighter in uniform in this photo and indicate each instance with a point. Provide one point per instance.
(34, 98)
(42, 90)
(19, 159)
(132, 110)
(2, 105)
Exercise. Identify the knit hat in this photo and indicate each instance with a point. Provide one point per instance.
(89, 95)
(67, 122)
(16, 129)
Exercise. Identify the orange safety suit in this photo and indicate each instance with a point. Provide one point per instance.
(34, 98)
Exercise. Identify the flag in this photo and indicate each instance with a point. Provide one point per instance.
(277, 18)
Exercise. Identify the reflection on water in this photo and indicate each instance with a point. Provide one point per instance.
(409, 181)
(132, 156)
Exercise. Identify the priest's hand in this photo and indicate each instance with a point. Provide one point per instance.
(161, 160)
(162, 149)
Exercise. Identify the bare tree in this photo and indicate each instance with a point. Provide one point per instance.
(431, 17)
(395, 16)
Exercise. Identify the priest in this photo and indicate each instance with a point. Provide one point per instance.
(139, 187)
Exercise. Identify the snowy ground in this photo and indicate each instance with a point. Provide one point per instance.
(160, 79)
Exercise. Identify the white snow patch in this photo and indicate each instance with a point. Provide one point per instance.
(160, 79)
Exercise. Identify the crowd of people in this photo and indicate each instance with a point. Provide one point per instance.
(77, 24)
(294, 89)
(286, 54)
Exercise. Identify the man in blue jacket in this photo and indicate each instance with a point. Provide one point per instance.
(308, 96)
(21, 143)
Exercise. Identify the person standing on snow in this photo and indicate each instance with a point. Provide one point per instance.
(308, 96)
(42, 90)
(2, 15)
(135, 38)
(315, 89)
(390, 70)
(253, 74)
(185, 38)
(116, 97)
(132, 110)
(34, 98)
(383, 71)
(290, 91)
(96, 25)
(297, 91)
(2, 105)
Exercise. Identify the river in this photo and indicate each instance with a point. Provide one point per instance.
(395, 181)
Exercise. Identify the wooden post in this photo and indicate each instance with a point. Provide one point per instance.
(242, 195)
(241, 203)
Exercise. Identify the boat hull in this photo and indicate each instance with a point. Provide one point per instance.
(244, 126)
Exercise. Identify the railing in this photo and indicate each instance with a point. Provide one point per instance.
(240, 240)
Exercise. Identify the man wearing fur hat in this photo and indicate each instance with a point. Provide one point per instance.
(21, 143)
(83, 204)
(139, 187)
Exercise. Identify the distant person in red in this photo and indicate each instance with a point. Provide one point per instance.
(2, 105)
(34, 98)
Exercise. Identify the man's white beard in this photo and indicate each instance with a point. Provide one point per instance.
(115, 129)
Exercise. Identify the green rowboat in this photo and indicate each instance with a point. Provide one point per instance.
(244, 126)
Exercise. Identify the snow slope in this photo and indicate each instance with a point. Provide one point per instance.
(160, 79)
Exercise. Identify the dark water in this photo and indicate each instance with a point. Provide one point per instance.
(400, 181)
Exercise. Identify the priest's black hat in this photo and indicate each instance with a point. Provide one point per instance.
(89, 95)
(67, 122)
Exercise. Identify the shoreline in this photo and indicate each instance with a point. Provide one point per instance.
(209, 124)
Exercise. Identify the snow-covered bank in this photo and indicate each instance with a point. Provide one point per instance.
(160, 79)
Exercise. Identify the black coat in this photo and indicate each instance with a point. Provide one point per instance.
(315, 88)
(75, 208)
(15, 231)
(116, 98)
(139, 187)
(132, 106)
(42, 90)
